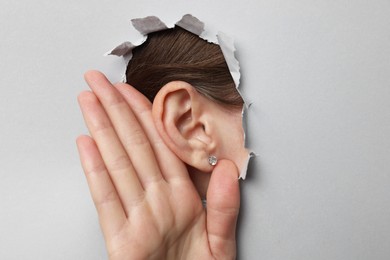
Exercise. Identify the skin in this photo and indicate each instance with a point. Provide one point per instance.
(194, 127)
(147, 204)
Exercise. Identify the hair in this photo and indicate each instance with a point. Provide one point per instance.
(177, 54)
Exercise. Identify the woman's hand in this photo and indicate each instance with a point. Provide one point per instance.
(147, 205)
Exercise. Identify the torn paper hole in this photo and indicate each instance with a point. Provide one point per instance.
(192, 24)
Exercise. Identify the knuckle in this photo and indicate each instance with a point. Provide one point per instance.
(120, 163)
(136, 201)
(114, 99)
(227, 211)
(95, 168)
(106, 199)
(103, 127)
(137, 137)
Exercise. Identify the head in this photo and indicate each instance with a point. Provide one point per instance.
(196, 107)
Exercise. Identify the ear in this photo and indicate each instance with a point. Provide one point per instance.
(182, 119)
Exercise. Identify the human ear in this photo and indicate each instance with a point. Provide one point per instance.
(181, 117)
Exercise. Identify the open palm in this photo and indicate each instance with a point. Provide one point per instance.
(147, 205)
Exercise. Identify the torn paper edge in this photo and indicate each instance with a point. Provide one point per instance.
(192, 24)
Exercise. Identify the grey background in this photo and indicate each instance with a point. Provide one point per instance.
(317, 72)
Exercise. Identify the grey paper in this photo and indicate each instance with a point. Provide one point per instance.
(191, 24)
(148, 25)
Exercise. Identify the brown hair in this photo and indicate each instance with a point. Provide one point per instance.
(176, 54)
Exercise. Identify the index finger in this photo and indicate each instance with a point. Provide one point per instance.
(127, 128)
(171, 166)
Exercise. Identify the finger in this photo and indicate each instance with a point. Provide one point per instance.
(171, 166)
(129, 131)
(114, 156)
(223, 203)
(104, 195)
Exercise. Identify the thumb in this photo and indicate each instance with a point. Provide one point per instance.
(223, 203)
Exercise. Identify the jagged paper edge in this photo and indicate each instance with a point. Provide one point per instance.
(192, 24)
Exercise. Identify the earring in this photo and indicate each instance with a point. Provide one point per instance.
(212, 160)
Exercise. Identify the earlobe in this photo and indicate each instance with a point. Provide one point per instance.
(180, 118)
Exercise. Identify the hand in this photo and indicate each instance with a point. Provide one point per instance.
(147, 205)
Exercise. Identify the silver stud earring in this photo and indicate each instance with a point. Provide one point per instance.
(212, 160)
